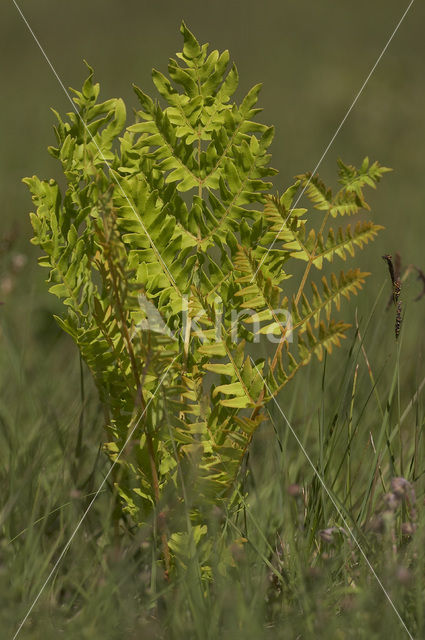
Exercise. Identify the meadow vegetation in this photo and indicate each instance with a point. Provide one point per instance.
(261, 498)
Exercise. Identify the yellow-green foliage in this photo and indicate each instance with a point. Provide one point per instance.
(170, 256)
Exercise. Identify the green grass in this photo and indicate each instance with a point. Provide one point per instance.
(293, 569)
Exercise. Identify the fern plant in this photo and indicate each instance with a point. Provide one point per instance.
(170, 256)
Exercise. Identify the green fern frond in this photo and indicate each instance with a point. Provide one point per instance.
(316, 190)
(314, 343)
(201, 142)
(170, 255)
(316, 248)
(354, 180)
(306, 310)
(350, 198)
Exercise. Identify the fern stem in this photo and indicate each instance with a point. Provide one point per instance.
(297, 298)
(310, 261)
(159, 516)
(300, 288)
(199, 170)
(139, 395)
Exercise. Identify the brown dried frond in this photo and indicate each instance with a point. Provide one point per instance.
(396, 282)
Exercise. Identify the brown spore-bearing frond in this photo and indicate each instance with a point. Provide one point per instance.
(396, 291)
(398, 321)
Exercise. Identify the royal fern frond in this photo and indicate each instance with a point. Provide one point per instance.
(328, 336)
(171, 256)
(347, 284)
(316, 248)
